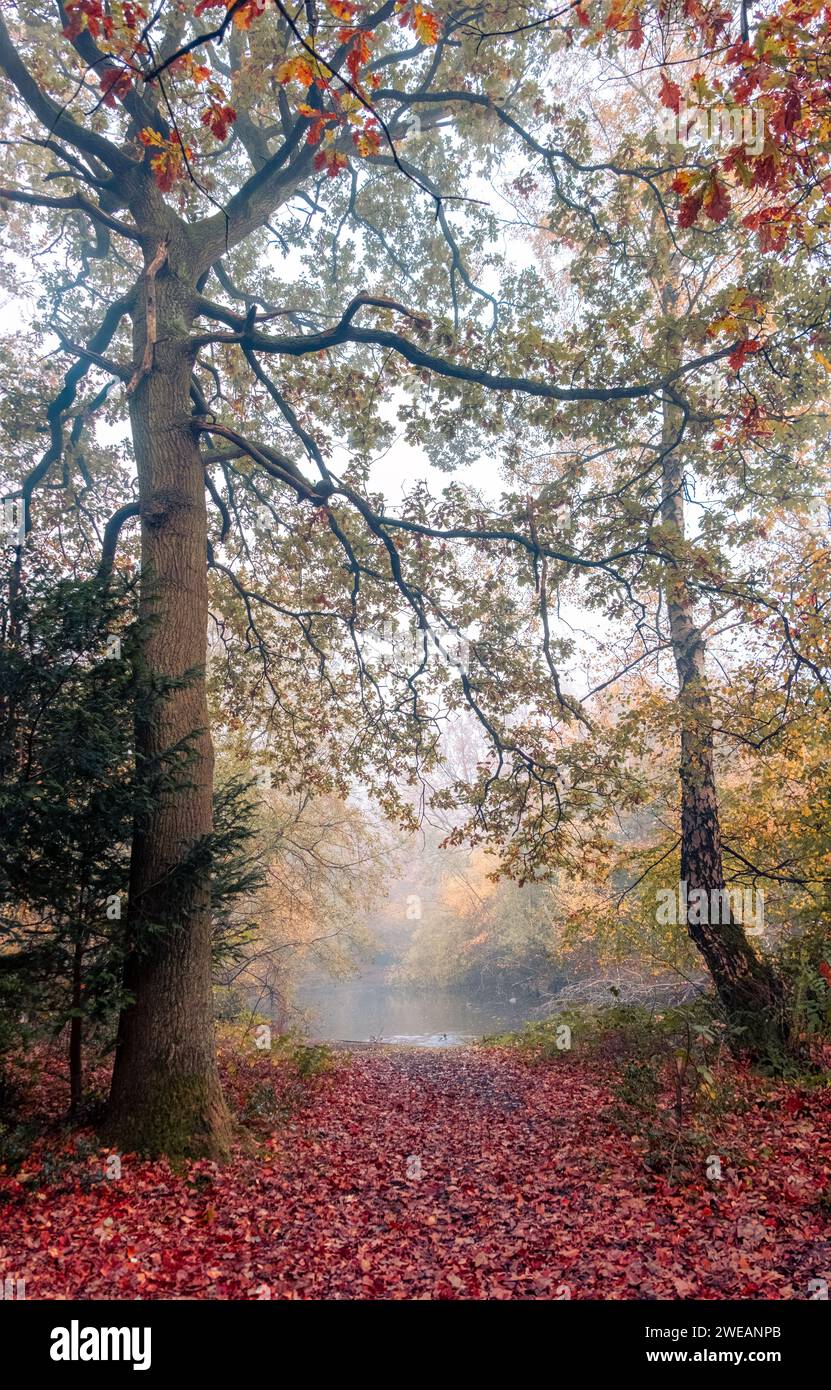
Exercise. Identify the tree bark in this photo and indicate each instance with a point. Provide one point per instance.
(166, 1094)
(76, 1031)
(748, 988)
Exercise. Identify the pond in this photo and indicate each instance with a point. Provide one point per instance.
(360, 1011)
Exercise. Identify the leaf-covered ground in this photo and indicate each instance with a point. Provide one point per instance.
(462, 1173)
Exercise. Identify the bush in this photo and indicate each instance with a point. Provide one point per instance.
(268, 1086)
(664, 1068)
(617, 1032)
(801, 961)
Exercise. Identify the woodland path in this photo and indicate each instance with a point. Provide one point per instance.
(455, 1173)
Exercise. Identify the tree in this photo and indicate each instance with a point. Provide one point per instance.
(321, 862)
(199, 131)
(735, 449)
(71, 677)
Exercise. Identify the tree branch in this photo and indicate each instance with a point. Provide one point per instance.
(54, 117)
(75, 201)
(112, 531)
(346, 332)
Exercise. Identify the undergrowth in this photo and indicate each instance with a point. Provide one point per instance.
(670, 1073)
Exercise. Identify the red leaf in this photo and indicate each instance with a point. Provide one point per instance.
(689, 209)
(636, 35)
(791, 109)
(115, 82)
(670, 94)
(219, 120)
(333, 161)
(737, 358)
(716, 201)
(84, 14)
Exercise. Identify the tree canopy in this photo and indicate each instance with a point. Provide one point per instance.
(270, 246)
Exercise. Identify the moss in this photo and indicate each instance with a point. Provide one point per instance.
(181, 1116)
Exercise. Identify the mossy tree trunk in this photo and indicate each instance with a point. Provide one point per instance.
(166, 1094)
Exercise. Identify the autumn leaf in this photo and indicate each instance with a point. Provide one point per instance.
(169, 165)
(115, 82)
(333, 161)
(789, 112)
(683, 182)
(636, 35)
(367, 142)
(84, 14)
(319, 120)
(670, 94)
(716, 200)
(167, 168)
(149, 136)
(773, 237)
(689, 209)
(296, 70)
(360, 50)
(426, 24)
(243, 17)
(746, 348)
(219, 120)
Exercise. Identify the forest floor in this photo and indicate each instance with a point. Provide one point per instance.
(424, 1174)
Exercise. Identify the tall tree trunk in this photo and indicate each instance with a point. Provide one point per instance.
(748, 988)
(166, 1094)
(76, 1030)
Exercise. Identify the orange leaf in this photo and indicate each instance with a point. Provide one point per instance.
(426, 25)
(296, 70)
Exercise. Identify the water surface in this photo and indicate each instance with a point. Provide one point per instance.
(358, 1011)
